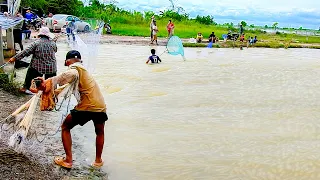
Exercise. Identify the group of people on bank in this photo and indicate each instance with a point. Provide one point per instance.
(154, 30)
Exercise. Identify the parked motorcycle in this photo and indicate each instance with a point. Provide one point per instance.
(108, 28)
(34, 24)
(37, 23)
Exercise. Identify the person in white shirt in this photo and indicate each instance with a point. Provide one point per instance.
(154, 32)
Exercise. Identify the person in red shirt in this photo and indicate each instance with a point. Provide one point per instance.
(170, 28)
(242, 38)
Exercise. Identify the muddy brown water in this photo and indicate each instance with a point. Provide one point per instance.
(221, 114)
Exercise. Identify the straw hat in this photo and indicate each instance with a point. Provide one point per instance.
(46, 32)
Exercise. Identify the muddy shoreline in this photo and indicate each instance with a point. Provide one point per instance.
(145, 41)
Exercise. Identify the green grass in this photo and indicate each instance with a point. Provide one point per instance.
(190, 30)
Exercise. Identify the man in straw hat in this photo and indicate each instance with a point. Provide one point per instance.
(43, 61)
(91, 106)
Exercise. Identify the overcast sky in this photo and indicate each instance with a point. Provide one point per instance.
(289, 13)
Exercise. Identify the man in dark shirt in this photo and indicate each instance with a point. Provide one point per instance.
(153, 58)
(212, 37)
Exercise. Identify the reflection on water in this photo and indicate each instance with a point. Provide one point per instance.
(221, 114)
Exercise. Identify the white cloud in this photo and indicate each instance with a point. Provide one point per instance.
(256, 11)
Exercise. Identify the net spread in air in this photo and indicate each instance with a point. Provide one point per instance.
(175, 46)
(88, 44)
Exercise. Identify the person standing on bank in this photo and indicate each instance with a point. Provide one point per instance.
(91, 106)
(71, 30)
(17, 32)
(43, 61)
(170, 28)
(151, 27)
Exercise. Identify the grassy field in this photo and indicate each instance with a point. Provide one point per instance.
(190, 30)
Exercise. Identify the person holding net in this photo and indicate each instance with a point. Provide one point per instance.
(91, 106)
(153, 58)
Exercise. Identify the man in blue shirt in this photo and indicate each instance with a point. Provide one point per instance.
(153, 58)
(29, 15)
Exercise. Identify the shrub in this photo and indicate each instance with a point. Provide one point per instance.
(9, 85)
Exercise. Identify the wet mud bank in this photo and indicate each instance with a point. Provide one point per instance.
(34, 157)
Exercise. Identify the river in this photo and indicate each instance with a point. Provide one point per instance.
(221, 114)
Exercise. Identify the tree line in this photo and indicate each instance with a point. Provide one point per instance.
(110, 12)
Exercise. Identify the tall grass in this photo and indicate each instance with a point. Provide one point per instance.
(184, 30)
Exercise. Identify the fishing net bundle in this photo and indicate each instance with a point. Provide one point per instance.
(88, 44)
(28, 124)
(175, 46)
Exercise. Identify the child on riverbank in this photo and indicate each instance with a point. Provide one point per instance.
(153, 58)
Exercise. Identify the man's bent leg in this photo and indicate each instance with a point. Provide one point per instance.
(99, 129)
(66, 138)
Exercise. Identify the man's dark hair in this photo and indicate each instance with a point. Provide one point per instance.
(170, 20)
(153, 51)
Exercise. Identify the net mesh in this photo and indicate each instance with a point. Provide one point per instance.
(175, 46)
(88, 44)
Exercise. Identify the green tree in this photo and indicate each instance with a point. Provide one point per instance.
(275, 25)
(53, 6)
(40, 5)
(207, 20)
(252, 25)
(266, 26)
(243, 23)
